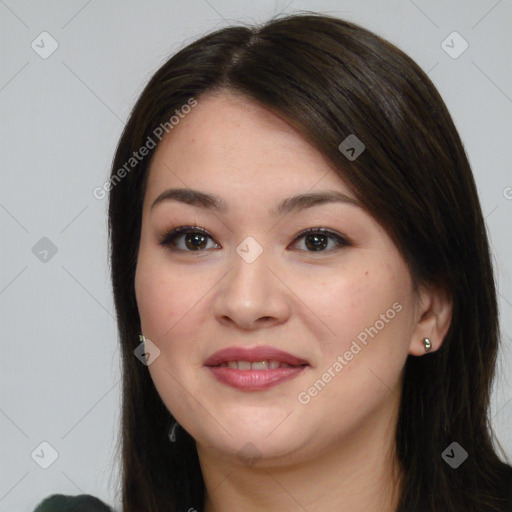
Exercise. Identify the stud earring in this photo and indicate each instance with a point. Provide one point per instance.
(142, 338)
(427, 343)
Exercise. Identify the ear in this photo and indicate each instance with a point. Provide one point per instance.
(433, 318)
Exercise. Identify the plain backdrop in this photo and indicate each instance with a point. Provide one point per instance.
(62, 115)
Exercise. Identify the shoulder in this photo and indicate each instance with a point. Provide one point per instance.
(507, 486)
(510, 489)
(80, 503)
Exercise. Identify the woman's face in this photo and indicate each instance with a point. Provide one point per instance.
(248, 280)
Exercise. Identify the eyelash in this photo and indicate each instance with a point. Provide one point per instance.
(167, 239)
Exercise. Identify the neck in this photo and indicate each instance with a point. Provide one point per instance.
(358, 472)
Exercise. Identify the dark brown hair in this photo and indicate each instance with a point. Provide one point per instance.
(330, 78)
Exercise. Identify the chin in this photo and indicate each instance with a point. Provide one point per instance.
(254, 446)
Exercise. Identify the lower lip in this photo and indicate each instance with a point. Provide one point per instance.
(254, 380)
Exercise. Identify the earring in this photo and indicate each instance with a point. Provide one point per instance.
(172, 431)
(427, 344)
(142, 338)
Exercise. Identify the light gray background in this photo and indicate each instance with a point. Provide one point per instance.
(61, 119)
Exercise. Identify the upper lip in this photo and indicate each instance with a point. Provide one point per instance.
(254, 354)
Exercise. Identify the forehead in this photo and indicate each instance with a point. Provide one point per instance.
(229, 142)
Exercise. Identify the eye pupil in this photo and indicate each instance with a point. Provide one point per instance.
(194, 237)
(319, 242)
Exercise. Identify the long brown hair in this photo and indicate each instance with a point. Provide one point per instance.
(330, 78)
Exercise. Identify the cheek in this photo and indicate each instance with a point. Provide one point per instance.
(149, 291)
(158, 295)
(363, 303)
(163, 303)
(168, 300)
(368, 311)
(362, 360)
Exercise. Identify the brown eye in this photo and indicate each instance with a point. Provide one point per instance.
(194, 238)
(317, 239)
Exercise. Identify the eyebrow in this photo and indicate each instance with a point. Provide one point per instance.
(288, 205)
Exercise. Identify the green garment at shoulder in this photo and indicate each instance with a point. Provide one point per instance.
(80, 503)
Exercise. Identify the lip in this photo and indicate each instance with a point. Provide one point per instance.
(252, 355)
(254, 380)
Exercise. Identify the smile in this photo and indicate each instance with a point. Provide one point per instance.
(254, 369)
(268, 364)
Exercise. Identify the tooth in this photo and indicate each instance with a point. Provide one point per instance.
(267, 364)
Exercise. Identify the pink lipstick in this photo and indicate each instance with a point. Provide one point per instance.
(254, 369)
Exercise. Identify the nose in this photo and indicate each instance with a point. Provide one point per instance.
(252, 294)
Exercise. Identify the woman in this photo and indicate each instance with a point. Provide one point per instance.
(296, 238)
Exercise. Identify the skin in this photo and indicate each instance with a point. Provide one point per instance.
(335, 452)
